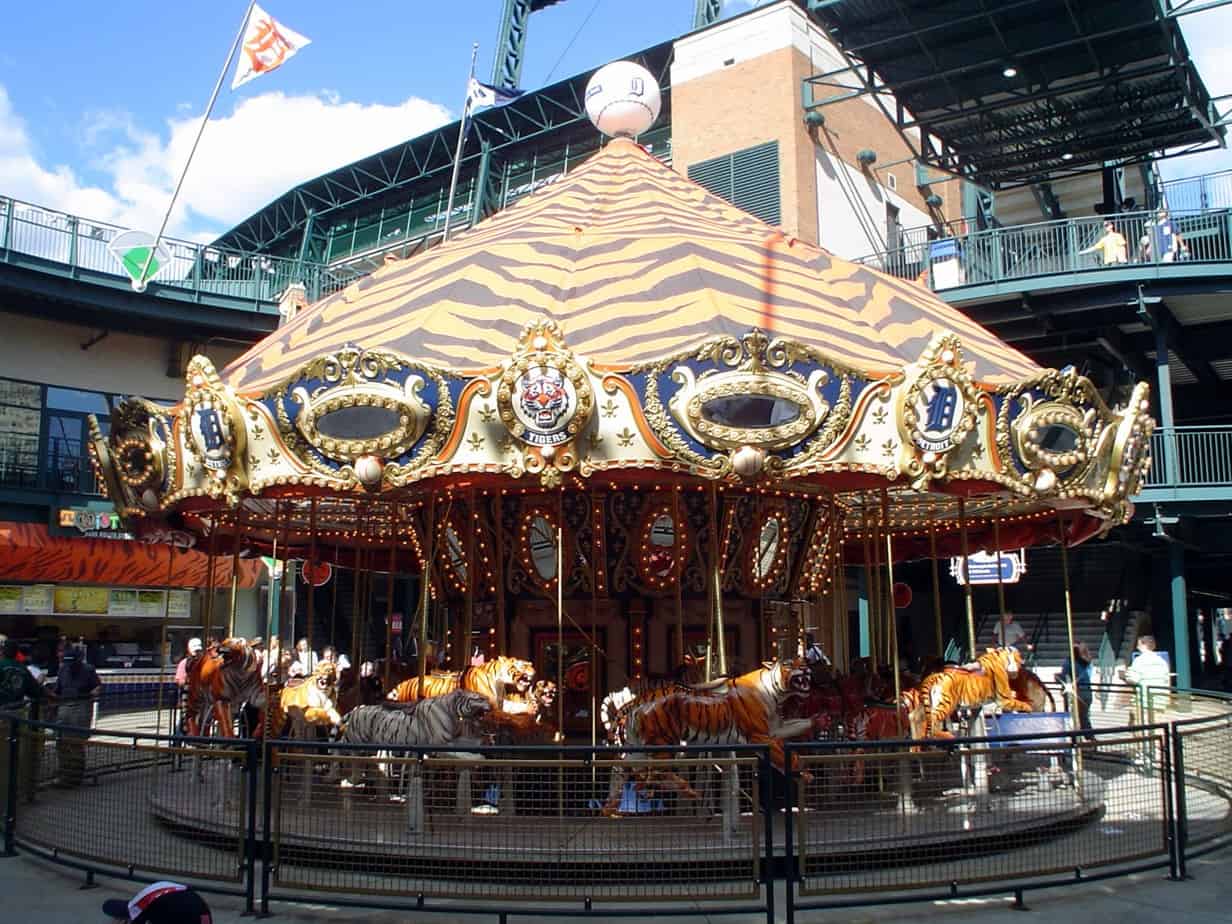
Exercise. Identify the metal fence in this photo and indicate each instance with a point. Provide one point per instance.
(1190, 457)
(558, 831)
(81, 244)
(954, 255)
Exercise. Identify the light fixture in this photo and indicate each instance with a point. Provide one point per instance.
(1067, 156)
(1009, 71)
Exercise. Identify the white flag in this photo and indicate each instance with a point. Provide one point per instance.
(482, 94)
(267, 44)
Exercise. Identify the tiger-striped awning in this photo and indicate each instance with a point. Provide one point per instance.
(634, 262)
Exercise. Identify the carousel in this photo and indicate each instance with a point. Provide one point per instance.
(619, 428)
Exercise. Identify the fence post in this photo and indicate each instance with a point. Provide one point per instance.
(72, 245)
(10, 806)
(8, 226)
(1180, 810)
(267, 845)
(789, 839)
(252, 765)
(766, 789)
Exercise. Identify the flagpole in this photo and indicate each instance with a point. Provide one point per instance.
(140, 282)
(457, 156)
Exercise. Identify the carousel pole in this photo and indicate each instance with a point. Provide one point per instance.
(889, 548)
(841, 624)
(684, 551)
(356, 603)
(235, 581)
(996, 541)
(870, 586)
(269, 627)
(877, 589)
(966, 573)
(560, 628)
(1069, 625)
(932, 551)
(718, 584)
(207, 605)
(712, 584)
(162, 647)
(312, 558)
(597, 550)
(499, 552)
(389, 613)
(333, 603)
(468, 614)
(425, 588)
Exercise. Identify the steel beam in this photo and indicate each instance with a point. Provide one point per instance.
(511, 41)
(707, 12)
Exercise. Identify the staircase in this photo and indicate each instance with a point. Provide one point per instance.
(1052, 642)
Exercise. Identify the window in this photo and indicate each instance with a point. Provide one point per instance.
(891, 181)
(21, 410)
(748, 179)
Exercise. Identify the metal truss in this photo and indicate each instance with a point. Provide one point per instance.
(707, 12)
(279, 227)
(511, 40)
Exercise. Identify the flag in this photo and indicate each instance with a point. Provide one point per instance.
(482, 94)
(133, 250)
(267, 44)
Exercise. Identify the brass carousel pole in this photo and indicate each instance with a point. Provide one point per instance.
(333, 601)
(356, 603)
(889, 546)
(996, 541)
(207, 604)
(312, 560)
(389, 612)
(711, 583)
(932, 551)
(870, 585)
(596, 553)
(560, 628)
(877, 590)
(468, 614)
(162, 647)
(499, 552)
(269, 624)
(684, 553)
(844, 627)
(1069, 625)
(235, 580)
(425, 588)
(966, 573)
(718, 584)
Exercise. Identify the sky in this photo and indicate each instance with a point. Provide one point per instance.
(99, 102)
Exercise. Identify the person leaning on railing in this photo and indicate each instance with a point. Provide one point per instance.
(1112, 246)
(77, 689)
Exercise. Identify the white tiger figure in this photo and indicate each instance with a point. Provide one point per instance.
(438, 722)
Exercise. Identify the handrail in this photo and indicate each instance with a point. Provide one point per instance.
(953, 255)
(80, 244)
(1190, 457)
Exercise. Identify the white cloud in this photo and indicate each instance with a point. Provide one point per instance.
(270, 143)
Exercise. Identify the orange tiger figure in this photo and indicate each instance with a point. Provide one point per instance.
(229, 676)
(307, 702)
(747, 713)
(943, 693)
(497, 680)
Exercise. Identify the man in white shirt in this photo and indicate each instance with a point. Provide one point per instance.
(1149, 668)
(305, 656)
(1007, 633)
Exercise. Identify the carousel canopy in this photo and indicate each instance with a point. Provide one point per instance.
(624, 327)
(632, 261)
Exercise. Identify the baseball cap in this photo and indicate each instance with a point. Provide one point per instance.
(161, 903)
(194, 646)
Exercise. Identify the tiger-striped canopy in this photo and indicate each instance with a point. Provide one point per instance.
(634, 262)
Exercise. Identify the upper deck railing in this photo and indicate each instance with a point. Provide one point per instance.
(952, 256)
(77, 247)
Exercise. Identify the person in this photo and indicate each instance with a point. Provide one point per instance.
(16, 683)
(814, 656)
(371, 690)
(329, 653)
(1166, 244)
(1147, 670)
(160, 903)
(1112, 246)
(1077, 682)
(306, 657)
(76, 690)
(192, 650)
(1007, 633)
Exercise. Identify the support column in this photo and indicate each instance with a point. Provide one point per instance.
(1180, 614)
(1163, 376)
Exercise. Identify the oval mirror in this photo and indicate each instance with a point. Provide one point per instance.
(758, 412)
(542, 540)
(362, 422)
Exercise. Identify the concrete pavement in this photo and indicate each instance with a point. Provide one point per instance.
(37, 891)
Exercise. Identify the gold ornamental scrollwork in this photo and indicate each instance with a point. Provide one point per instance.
(354, 378)
(213, 430)
(937, 410)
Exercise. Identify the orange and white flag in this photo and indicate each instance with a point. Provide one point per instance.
(267, 45)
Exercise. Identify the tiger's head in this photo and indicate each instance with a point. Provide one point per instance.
(514, 673)
(543, 398)
(788, 678)
(469, 705)
(325, 676)
(1008, 659)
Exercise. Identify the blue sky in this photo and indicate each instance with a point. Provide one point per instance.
(98, 101)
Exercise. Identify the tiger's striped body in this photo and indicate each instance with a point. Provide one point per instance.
(220, 681)
(746, 713)
(946, 691)
(615, 709)
(311, 702)
(496, 679)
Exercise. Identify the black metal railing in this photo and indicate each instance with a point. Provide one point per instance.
(64, 466)
(559, 831)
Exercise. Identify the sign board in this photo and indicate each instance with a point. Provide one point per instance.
(395, 623)
(983, 567)
(96, 521)
(179, 604)
(81, 601)
(123, 603)
(37, 599)
(10, 600)
(150, 603)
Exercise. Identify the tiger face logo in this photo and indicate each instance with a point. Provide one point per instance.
(544, 401)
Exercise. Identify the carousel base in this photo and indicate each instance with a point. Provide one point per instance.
(385, 832)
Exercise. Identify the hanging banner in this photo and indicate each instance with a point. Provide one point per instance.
(179, 604)
(983, 567)
(151, 603)
(37, 599)
(10, 600)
